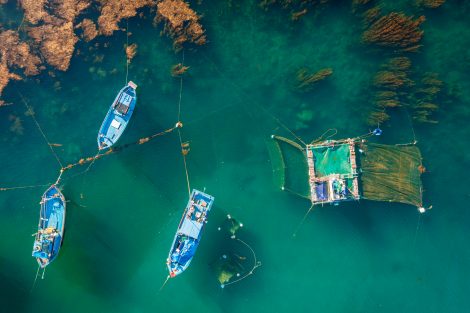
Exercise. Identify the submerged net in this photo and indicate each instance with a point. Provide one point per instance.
(289, 166)
(391, 173)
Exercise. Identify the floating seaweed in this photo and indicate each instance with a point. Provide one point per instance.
(306, 81)
(131, 51)
(180, 22)
(88, 28)
(395, 88)
(298, 8)
(52, 24)
(113, 11)
(432, 4)
(178, 69)
(395, 30)
(371, 15)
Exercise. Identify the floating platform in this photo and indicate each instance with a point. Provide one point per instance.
(350, 169)
(332, 171)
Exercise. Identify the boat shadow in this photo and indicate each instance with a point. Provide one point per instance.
(91, 257)
(16, 295)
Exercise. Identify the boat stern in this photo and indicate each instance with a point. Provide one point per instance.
(174, 269)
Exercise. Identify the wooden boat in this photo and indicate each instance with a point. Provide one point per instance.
(189, 232)
(48, 239)
(118, 116)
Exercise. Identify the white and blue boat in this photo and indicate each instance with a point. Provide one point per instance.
(189, 232)
(118, 116)
(48, 239)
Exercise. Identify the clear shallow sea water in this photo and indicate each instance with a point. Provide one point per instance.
(121, 218)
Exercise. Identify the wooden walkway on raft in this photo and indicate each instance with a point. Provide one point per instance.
(352, 161)
(312, 178)
(311, 174)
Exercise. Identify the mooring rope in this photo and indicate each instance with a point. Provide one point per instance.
(335, 131)
(241, 92)
(31, 112)
(164, 283)
(43, 273)
(411, 125)
(23, 187)
(125, 50)
(35, 278)
(179, 124)
(302, 221)
(256, 264)
(416, 231)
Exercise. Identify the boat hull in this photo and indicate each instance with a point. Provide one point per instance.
(118, 116)
(51, 226)
(188, 235)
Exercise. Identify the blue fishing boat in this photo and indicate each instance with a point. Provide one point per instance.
(189, 232)
(118, 116)
(48, 239)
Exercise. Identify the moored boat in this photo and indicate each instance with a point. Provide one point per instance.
(48, 239)
(118, 116)
(189, 232)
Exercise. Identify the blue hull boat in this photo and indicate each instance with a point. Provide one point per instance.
(118, 116)
(50, 233)
(189, 232)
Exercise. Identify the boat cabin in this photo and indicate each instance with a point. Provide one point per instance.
(122, 103)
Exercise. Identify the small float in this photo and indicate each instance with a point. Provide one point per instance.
(118, 116)
(48, 239)
(189, 232)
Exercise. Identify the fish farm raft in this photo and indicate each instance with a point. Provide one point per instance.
(333, 171)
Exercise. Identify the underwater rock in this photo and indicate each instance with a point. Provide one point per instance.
(180, 22)
(395, 30)
(306, 81)
(17, 125)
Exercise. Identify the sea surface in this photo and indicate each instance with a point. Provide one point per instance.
(240, 89)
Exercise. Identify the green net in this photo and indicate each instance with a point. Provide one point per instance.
(332, 160)
(277, 163)
(289, 166)
(391, 173)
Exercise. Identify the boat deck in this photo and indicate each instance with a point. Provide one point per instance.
(51, 226)
(118, 117)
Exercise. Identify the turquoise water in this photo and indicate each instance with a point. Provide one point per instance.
(121, 215)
